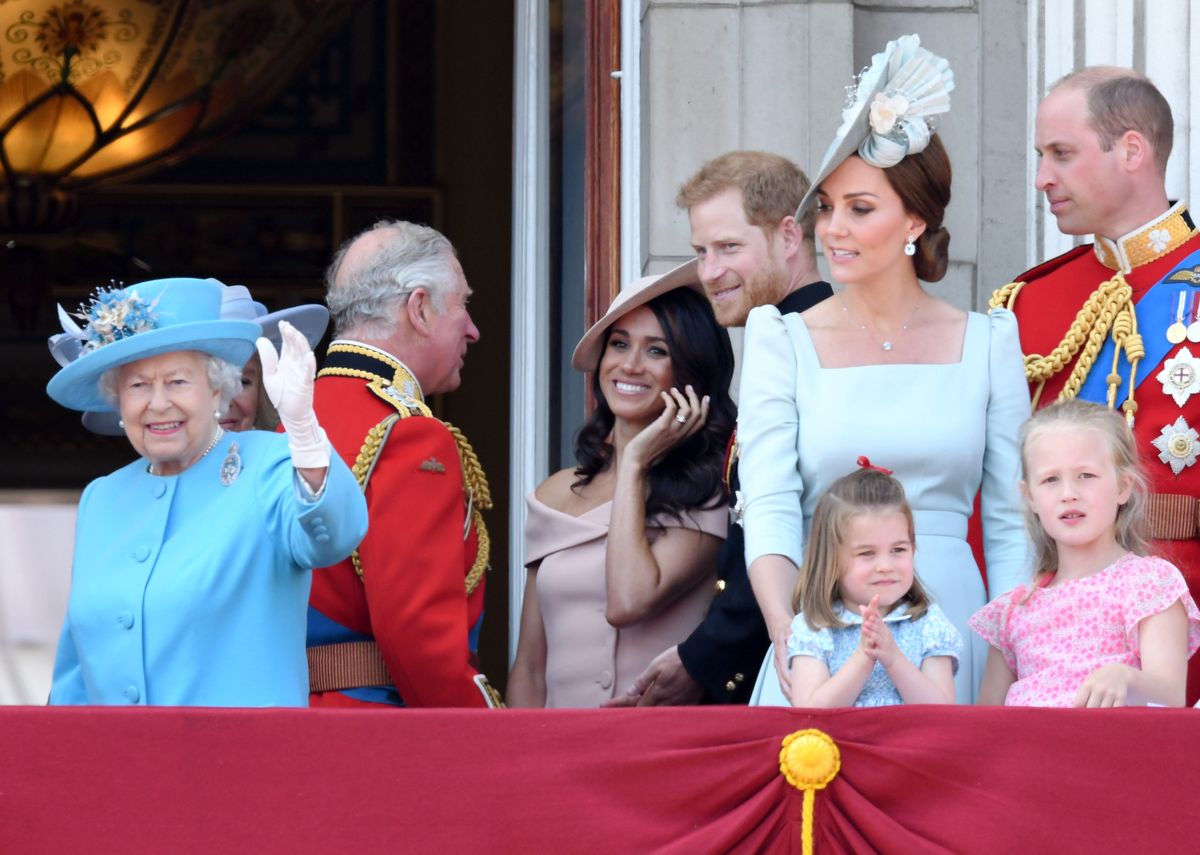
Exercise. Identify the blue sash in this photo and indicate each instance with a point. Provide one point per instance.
(1155, 312)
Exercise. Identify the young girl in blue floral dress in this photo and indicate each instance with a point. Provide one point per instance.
(865, 632)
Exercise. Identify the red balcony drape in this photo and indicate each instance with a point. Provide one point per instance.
(912, 780)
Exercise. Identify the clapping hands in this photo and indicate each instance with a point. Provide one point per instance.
(877, 641)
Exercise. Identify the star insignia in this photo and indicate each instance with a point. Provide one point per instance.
(1177, 445)
(1180, 376)
(739, 507)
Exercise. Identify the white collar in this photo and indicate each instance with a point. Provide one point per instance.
(899, 613)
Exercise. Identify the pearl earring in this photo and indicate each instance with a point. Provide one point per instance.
(121, 424)
(910, 246)
(217, 415)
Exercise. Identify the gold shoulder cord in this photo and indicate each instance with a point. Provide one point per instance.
(1109, 309)
(364, 465)
(479, 500)
(474, 483)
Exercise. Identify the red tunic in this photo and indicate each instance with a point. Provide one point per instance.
(1046, 307)
(412, 598)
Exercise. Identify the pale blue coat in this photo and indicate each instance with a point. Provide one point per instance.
(188, 592)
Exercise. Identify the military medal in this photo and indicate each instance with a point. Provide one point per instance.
(1180, 376)
(1177, 445)
(231, 466)
(1177, 331)
(1193, 332)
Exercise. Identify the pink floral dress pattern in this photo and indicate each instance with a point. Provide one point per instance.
(1063, 633)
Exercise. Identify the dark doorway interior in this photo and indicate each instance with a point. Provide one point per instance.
(406, 113)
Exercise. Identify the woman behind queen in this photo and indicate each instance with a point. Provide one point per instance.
(923, 388)
(191, 572)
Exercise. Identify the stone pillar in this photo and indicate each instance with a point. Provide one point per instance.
(773, 75)
(721, 75)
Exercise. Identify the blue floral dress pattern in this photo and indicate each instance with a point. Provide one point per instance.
(932, 634)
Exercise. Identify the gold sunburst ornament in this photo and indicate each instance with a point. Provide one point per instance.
(809, 760)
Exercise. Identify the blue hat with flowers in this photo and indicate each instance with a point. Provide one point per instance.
(236, 304)
(123, 325)
(893, 110)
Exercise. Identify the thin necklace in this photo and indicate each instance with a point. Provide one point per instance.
(216, 438)
(885, 344)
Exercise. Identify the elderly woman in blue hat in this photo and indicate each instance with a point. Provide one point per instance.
(191, 572)
(249, 408)
(884, 370)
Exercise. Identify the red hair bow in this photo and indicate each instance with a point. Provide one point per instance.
(867, 464)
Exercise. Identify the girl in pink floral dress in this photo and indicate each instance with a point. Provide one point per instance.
(1103, 624)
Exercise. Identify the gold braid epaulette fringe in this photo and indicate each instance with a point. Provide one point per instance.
(365, 462)
(476, 485)
(1108, 309)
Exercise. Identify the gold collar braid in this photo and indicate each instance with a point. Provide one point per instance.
(1150, 242)
(1108, 309)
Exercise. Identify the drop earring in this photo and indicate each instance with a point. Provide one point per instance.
(910, 246)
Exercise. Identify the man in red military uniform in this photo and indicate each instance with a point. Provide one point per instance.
(398, 622)
(1118, 321)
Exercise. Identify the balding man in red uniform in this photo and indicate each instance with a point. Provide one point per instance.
(398, 622)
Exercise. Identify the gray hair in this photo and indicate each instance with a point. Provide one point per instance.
(223, 377)
(366, 294)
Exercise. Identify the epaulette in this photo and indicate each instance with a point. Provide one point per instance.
(1053, 264)
(364, 465)
(1006, 295)
(388, 379)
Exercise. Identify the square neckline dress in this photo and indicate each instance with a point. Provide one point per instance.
(948, 430)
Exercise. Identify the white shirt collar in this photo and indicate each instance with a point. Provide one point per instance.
(896, 615)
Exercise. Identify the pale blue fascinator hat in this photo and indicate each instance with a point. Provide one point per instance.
(236, 304)
(123, 325)
(893, 110)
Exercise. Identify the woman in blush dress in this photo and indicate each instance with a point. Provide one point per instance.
(621, 550)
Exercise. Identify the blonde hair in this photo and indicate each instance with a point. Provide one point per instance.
(864, 491)
(1130, 529)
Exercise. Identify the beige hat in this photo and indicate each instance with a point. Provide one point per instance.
(641, 292)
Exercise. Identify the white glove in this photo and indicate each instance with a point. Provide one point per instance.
(288, 379)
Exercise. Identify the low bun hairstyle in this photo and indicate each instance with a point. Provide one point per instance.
(933, 254)
(922, 181)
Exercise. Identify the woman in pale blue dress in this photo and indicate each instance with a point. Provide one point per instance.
(885, 370)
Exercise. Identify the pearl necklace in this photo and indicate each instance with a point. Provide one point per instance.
(216, 438)
(886, 344)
